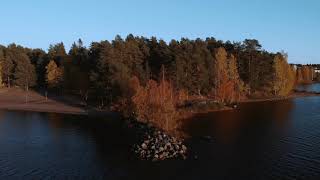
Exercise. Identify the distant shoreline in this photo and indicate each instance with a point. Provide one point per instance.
(296, 94)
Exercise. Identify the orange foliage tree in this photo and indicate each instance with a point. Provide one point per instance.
(305, 74)
(155, 104)
(228, 86)
(283, 76)
(226, 92)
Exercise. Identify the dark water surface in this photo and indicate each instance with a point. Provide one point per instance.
(265, 140)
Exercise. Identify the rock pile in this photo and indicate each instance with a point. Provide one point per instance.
(158, 146)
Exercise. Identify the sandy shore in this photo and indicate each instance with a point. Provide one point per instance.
(15, 99)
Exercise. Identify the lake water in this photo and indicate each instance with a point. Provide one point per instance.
(265, 140)
(310, 88)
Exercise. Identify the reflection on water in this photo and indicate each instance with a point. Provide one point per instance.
(227, 126)
(265, 140)
(242, 142)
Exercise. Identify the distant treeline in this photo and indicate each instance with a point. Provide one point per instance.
(307, 73)
(226, 71)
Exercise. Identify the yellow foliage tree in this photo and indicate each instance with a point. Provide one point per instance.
(221, 67)
(54, 74)
(284, 76)
(228, 86)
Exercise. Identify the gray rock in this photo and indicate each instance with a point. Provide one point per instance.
(184, 148)
(144, 146)
(158, 146)
(177, 147)
(161, 149)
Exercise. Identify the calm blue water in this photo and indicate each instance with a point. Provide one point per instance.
(308, 87)
(265, 140)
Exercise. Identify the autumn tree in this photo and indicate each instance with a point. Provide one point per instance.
(229, 87)
(221, 73)
(155, 104)
(57, 52)
(299, 78)
(305, 74)
(284, 76)
(239, 89)
(53, 75)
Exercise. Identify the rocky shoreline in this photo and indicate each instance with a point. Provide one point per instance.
(156, 145)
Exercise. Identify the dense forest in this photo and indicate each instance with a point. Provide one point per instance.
(142, 73)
